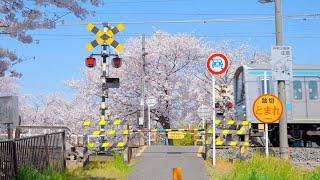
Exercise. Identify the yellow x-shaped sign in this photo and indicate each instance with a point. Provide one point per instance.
(105, 37)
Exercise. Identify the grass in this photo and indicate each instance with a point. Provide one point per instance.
(260, 168)
(114, 169)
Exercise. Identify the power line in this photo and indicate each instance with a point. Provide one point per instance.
(271, 35)
(204, 21)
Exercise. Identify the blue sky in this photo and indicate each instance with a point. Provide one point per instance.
(60, 53)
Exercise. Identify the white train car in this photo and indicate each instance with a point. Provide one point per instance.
(302, 102)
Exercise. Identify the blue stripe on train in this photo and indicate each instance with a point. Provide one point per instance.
(298, 73)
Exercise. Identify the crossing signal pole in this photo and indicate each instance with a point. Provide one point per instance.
(283, 132)
(105, 39)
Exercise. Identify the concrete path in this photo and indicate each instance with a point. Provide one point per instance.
(157, 162)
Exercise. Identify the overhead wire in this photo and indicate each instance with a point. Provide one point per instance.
(203, 21)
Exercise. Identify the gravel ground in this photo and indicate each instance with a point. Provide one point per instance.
(304, 157)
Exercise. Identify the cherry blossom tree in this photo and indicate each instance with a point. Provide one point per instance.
(175, 75)
(18, 17)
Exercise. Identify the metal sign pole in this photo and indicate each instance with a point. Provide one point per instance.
(213, 123)
(149, 125)
(265, 91)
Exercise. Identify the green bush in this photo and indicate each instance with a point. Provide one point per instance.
(186, 141)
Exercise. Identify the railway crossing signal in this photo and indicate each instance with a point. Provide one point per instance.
(105, 37)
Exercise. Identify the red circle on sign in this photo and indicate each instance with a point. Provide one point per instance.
(224, 69)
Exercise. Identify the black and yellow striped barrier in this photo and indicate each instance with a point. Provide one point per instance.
(93, 145)
(102, 122)
(105, 37)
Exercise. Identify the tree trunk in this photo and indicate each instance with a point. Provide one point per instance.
(164, 121)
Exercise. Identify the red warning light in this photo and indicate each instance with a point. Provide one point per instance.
(90, 62)
(116, 62)
(229, 105)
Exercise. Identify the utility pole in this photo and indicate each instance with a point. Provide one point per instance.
(142, 100)
(283, 134)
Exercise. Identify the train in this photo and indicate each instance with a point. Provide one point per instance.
(302, 106)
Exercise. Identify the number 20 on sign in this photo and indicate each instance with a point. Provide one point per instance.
(267, 108)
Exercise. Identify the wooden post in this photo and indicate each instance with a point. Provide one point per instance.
(46, 150)
(9, 131)
(14, 157)
(64, 149)
(85, 150)
(205, 141)
(18, 129)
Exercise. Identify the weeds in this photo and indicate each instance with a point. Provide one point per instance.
(261, 168)
(114, 169)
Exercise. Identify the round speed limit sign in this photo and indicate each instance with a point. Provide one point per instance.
(267, 108)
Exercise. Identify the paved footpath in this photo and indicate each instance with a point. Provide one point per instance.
(157, 162)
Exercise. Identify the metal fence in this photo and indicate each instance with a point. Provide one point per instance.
(39, 152)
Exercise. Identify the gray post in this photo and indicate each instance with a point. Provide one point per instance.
(142, 100)
(283, 134)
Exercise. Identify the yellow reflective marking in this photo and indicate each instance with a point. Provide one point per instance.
(207, 142)
(120, 48)
(153, 130)
(111, 132)
(89, 47)
(102, 122)
(225, 132)
(109, 33)
(168, 130)
(90, 26)
(109, 41)
(120, 27)
(210, 131)
(99, 40)
(246, 144)
(116, 122)
(120, 144)
(99, 33)
(230, 122)
(218, 121)
(233, 143)
(240, 132)
(245, 123)
(125, 132)
(195, 129)
(219, 143)
(105, 145)
(86, 123)
(96, 133)
(90, 145)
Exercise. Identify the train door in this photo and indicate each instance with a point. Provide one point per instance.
(299, 99)
(312, 94)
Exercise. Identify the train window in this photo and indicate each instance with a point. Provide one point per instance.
(239, 90)
(268, 86)
(297, 90)
(313, 90)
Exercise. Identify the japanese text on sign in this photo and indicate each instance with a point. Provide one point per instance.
(267, 108)
(175, 135)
